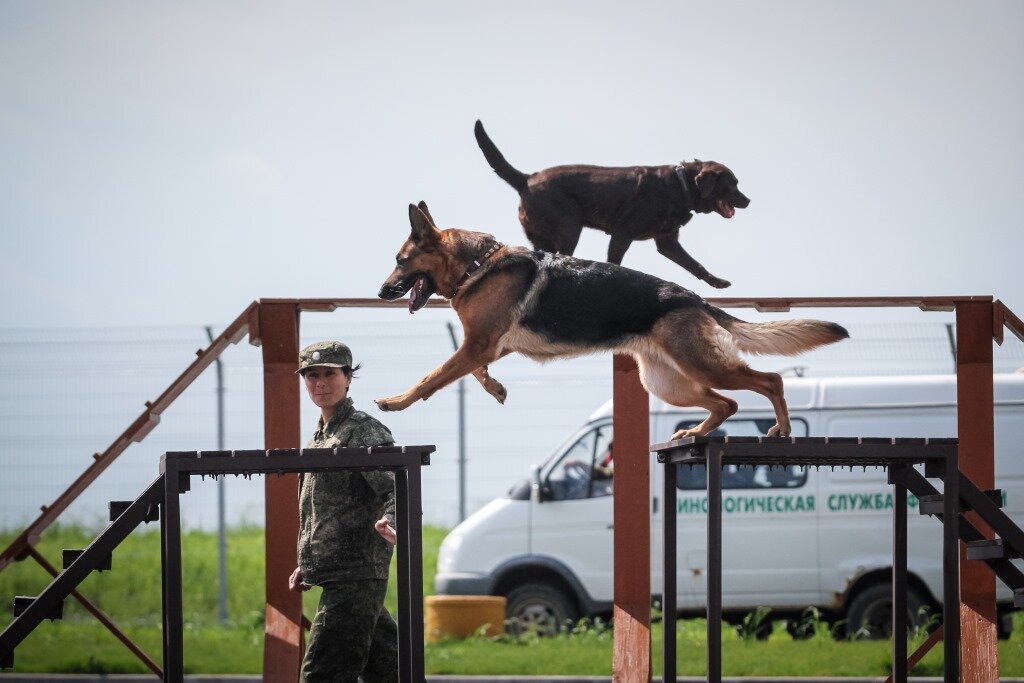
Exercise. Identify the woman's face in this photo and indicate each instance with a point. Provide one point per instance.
(327, 387)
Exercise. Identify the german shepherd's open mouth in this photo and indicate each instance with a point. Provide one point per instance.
(419, 285)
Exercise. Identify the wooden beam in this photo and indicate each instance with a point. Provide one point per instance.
(282, 638)
(631, 658)
(979, 657)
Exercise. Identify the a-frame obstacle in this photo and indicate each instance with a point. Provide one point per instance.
(273, 324)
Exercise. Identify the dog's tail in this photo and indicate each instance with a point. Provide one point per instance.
(505, 171)
(782, 337)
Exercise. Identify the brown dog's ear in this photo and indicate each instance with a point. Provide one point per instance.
(424, 234)
(705, 181)
(426, 212)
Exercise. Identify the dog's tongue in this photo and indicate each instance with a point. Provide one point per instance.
(725, 208)
(415, 292)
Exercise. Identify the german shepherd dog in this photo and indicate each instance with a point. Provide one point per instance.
(632, 203)
(548, 306)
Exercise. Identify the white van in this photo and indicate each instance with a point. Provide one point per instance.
(792, 538)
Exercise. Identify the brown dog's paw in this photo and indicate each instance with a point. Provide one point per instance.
(498, 391)
(718, 282)
(389, 404)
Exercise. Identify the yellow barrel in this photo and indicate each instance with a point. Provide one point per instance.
(463, 615)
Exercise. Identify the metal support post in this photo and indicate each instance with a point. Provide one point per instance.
(669, 568)
(714, 470)
(170, 526)
(899, 574)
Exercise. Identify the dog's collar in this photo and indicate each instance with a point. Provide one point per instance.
(476, 264)
(687, 192)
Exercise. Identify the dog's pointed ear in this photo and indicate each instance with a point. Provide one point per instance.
(424, 234)
(705, 181)
(426, 212)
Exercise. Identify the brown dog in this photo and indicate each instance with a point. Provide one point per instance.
(552, 306)
(634, 203)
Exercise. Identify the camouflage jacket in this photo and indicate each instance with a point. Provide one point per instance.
(337, 510)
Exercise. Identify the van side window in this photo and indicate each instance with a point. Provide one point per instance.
(744, 476)
(585, 469)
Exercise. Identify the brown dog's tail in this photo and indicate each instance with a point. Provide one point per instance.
(505, 171)
(781, 337)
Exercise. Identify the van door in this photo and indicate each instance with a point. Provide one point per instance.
(769, 529)
(572, 523)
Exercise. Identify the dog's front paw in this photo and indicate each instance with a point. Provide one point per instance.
(718, 282)
(496, 389)
(779, 430)
(499, 392)
(390, 404)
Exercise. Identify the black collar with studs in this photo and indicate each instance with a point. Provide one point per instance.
(477, 263)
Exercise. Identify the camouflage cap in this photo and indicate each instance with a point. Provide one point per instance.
(327, 354)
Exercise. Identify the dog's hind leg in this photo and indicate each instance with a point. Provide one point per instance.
(768, 384)
(665, 380)
(542, 242)
(720, 408)
(617, 249)
(557, 229)
(707, 353)
(714, 363)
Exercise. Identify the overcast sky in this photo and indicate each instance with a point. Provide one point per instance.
(168, 163)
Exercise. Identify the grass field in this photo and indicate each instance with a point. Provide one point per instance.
(130, 594)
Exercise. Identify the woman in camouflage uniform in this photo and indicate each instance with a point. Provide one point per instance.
(346, 534)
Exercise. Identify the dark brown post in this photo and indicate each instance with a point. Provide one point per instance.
(975, 415)
(279, 336)
(631, 660)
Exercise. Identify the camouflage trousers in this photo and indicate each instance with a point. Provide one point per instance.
(353, 636)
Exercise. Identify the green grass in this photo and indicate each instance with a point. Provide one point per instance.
(130, 594)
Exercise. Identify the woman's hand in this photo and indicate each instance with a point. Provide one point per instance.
(295, 581)
(386, 531)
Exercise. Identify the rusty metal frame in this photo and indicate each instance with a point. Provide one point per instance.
(66, 582)
(939, 457)
(404, 461)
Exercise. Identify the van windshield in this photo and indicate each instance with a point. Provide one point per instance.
(583, 469)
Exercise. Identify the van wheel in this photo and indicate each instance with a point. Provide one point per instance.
(539, 608)
(869, 614)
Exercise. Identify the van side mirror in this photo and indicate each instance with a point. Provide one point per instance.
(536, 493)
